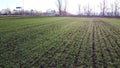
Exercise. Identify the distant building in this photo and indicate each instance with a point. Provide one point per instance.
(5, 11)
(50, 12)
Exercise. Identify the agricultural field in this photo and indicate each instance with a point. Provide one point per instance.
(59, 42)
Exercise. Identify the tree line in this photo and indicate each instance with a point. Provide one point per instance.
(114, 9)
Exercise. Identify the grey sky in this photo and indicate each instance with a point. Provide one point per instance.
(43, 5)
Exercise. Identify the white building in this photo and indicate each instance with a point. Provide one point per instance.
(5, 11)
(50, 12)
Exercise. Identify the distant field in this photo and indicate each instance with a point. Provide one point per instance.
(59, 42)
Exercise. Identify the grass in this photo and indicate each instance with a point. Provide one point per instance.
(58, 42)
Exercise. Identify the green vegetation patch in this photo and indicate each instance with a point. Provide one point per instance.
(59, 42)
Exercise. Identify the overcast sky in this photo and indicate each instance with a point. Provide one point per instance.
(43, 5)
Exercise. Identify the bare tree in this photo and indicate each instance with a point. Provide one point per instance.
(79, 9)
(112, 10)
(116, 7)
(87, 10)
(65, 7)
(59, 5)
(103, 7)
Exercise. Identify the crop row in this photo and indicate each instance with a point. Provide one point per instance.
(60, 43)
